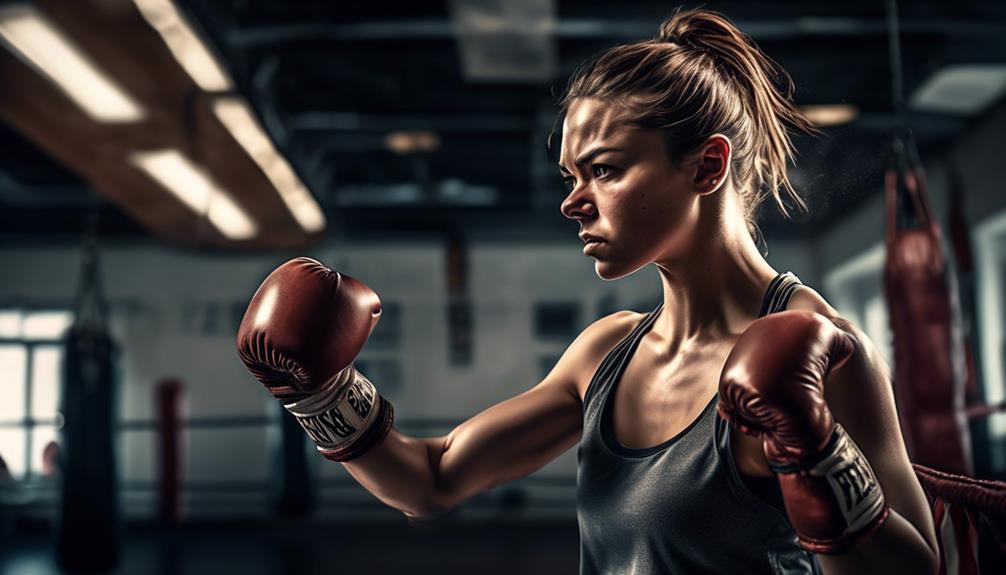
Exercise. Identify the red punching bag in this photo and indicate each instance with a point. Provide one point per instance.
(170, 395)
(929, 366)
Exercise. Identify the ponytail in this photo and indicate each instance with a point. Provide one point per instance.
(700, 76)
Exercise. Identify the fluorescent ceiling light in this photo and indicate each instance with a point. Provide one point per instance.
(506, 40)
(192, 54)
(238, 118)
(963, 89)
(44, 46)
(194, 187)
(831, 115)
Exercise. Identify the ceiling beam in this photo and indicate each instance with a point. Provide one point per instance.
(270, 36)
(180, 118)
(354, 122)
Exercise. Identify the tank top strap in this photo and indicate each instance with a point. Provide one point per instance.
(776, 298)
(778, 293)
(783, 552)
(619, 355)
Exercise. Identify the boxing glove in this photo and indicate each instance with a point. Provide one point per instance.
(772, 385)
(299, 336)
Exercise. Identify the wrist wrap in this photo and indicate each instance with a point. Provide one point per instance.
(843, 474)
(346, 418)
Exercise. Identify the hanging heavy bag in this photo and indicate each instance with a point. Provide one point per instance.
(929, 364)
(88, 531)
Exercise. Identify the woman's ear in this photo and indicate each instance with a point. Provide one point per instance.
(713, 164)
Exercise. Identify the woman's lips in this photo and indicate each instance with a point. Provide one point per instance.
(590, 241)
(592, 245)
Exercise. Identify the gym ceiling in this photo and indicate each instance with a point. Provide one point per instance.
(398, 119)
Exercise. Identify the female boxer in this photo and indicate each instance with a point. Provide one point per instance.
(669, 146)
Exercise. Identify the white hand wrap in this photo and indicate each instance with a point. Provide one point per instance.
(852, 481)
(341, 413)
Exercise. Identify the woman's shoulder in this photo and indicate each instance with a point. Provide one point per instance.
(612, 328)
(603, 334)
(598, 338)
(807, 299)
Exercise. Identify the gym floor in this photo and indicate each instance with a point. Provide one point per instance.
(303, 548)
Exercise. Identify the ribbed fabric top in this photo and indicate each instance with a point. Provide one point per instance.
(679, 507)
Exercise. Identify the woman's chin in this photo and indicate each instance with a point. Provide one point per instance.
(609, 270)
(612, 270)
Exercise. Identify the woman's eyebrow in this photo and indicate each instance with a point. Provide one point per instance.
(589, 155)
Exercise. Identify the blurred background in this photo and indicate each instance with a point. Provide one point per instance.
(158, 159)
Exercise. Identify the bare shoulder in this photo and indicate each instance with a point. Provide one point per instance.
(609, 330)
(806, 298)
(581, 359)
(865, 372)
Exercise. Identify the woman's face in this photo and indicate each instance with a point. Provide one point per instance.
(624, 190)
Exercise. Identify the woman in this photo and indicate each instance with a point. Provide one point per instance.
(668, 148)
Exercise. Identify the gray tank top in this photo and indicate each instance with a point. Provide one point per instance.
(679, 507)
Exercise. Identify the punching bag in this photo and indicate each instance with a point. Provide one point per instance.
(929, 366)
(88, 530)
(169, 398)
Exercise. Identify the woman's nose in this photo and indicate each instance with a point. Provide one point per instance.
(577, 206)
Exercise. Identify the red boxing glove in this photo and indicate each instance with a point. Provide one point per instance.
(773, 385)
(299, 336)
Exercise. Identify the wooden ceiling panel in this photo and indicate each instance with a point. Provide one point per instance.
(178, 116)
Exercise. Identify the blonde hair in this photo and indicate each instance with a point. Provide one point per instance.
(701, 76)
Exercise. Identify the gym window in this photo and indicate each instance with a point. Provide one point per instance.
(31, 353)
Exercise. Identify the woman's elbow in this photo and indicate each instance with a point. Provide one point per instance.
(430, 509)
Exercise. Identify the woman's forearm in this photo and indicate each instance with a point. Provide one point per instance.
(896, 547)
(401, 472)
(430, 476)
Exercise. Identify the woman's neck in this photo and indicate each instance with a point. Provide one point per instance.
(716, 290)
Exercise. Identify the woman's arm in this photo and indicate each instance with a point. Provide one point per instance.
(299, 336)
(860, 397)
(427, 477)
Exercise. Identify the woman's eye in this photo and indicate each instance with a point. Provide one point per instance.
(600, 170)
(569, 182)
